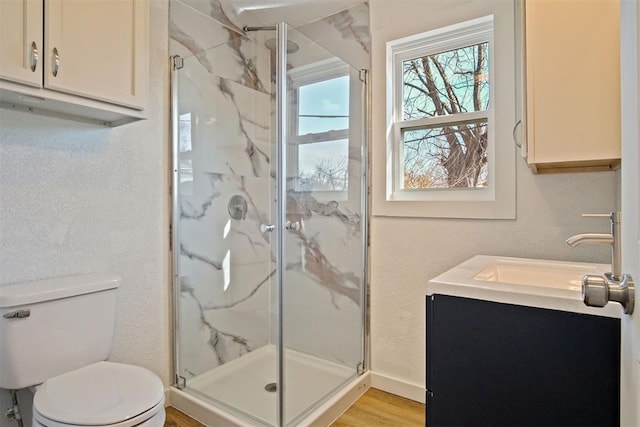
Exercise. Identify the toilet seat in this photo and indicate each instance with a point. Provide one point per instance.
(154, 417)
(101, 394)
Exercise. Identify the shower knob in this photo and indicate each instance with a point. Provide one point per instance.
(267, 227)
(237, 207)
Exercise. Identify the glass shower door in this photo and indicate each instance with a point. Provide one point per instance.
(324, 251)
(269, 253)
(224, 265)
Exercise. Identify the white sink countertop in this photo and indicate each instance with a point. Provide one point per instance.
(548, 284)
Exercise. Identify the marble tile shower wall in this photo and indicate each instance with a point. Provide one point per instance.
(225, 263)
(227, 305)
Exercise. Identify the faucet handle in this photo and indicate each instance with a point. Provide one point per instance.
(613, 216)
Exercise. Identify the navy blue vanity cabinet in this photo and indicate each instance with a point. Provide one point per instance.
(495, 364)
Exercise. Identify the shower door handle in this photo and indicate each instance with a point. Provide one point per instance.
(293, 226)
(267, 227)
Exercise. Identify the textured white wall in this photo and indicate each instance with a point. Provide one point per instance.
(407, 252)
(79, 199)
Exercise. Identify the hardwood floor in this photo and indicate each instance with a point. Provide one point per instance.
(176, 418)
(374, 409)
(377, 408)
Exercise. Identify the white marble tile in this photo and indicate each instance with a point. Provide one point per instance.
(321, 323)
(194, 31)
(322, 280)
(224, 313)
(226, 12)
(225, 269)
(220, 49)
(294, 12)
(229, 125)
(329, 243)
(207, 230)
(342, 29)
(344, 34)
(195, 354)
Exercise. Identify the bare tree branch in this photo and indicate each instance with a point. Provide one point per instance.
(452, 155)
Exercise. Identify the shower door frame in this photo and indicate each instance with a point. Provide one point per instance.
(281, 195)
(175, 63)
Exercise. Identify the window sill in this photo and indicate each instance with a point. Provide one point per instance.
(455, 210)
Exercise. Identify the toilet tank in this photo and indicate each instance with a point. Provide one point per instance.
(50, 327)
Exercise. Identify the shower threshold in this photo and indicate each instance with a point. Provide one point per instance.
(245, 384)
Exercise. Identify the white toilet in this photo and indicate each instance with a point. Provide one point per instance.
(56, 335)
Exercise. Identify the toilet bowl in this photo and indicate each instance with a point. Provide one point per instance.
(101, 394)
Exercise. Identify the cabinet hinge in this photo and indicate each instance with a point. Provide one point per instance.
(360, 368)
(178, 62)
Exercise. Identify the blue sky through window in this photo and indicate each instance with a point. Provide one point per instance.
(324, 106)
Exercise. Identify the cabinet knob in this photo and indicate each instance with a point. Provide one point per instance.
(56, 61)
(34, 56)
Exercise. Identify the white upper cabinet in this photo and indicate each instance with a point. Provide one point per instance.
(21, 41)
(572, 85)
(97, 49)
(85, 59)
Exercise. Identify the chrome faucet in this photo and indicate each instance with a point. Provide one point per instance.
(597, 291)
(612, 239)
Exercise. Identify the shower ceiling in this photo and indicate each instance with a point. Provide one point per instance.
(295, 12)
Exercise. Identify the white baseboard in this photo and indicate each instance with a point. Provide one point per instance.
(398, 387)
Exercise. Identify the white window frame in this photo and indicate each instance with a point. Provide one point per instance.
(442, 40)
(302, 76)
(497, 200)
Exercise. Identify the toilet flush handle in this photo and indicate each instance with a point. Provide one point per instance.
(18, 314)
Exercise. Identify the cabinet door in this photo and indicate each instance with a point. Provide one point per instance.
(21, 41)
(494, 364)
(97, 49)
(573, 82)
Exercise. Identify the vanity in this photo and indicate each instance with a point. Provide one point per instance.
(510, 342)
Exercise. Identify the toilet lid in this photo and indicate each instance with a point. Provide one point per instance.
(99, 394)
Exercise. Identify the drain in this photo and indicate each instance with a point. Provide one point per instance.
(271, 387)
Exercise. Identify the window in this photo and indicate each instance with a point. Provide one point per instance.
(444, 124)
(319, 130)
(449, 153)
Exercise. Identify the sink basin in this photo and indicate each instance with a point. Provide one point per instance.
(536, 273)
(522, 281)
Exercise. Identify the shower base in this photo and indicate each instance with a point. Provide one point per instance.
(243, 386)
